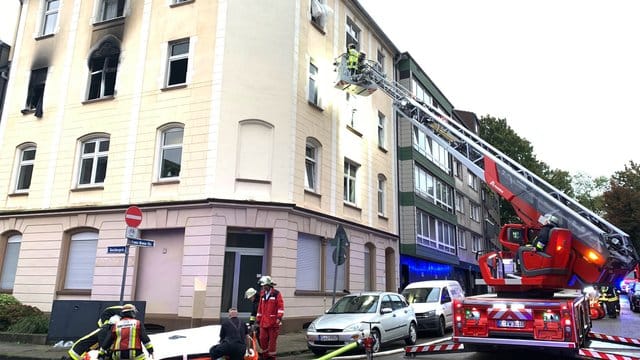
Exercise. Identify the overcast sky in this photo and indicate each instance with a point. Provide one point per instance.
(565, 74)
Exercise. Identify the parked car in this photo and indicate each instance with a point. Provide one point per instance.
(634, 297)
(385, 315)
(432, 302)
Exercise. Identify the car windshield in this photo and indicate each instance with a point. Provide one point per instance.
(355, 305)
(422, 295)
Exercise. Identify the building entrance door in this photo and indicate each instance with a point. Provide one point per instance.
(243, 265)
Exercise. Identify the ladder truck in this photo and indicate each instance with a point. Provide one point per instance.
(533, 304)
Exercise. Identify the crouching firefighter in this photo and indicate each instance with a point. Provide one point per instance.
(92, 340)
(126, 337)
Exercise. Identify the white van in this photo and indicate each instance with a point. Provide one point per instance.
(432, 302)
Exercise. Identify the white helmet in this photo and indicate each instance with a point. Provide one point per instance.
(266, 280)
(249, 293)
(551, 219)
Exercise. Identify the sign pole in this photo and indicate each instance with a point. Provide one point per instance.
(124, 274)
(335, 271)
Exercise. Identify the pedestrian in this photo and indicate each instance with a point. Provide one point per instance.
(126, 337)
(353, 57)
(92, 340)
(269, 317)
(234, 338)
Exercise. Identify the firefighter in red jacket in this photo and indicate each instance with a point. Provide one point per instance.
(269, 317)
(127, 337)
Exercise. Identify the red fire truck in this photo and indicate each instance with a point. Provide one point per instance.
(532, 304)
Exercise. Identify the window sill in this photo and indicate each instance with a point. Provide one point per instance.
(312, 192)
(314, 105)
(173, 87)
(382, 149)
(353, 130)
(318, 27)
(351, 205)
(257, 181)
(74, 292)
(88, 188)
(19, 194)
(44, 36)
(382, 216)
(176, 4)
(102, 24)
(104, 98)
(320, 293)
(166, 182)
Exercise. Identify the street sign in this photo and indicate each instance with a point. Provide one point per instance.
(132, 233)
(141, 242)
(339, 255)
(116, 249)
(340, 237)
(133, 216)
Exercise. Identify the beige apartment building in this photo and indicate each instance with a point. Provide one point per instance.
(219, 120)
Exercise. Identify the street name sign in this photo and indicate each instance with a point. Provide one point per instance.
(141, 242)
(116, 249)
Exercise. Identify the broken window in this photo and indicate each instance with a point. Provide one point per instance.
(36, 91)
(103, 67)
(319, 12)
(50, 16)
(111, 9)
(353, 33)
(177, 62)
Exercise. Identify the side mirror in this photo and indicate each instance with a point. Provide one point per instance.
(386, 311)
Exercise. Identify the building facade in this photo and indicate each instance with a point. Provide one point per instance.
(219, 120)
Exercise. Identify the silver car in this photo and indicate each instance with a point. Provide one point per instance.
(386, 315)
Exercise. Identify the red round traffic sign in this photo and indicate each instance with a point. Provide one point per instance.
(133, 216)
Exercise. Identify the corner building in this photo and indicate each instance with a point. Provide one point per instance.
(220, 121)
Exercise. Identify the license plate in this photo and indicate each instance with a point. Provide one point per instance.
(328, 337)
(511, 323)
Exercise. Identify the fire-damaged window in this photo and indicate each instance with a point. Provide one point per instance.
(319, 13)
(177, 63)
(103, 68)
(111, 9)
(353, 33)
(36, 91)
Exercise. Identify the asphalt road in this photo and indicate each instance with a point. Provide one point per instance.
(627, 325)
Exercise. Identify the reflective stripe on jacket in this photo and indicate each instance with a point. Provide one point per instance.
(271, 309)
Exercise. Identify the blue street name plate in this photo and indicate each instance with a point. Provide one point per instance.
(141, 242)
(116, 249)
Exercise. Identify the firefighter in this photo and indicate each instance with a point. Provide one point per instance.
(250, 295)
(269, 317)
(609, 300)
(353, 58)
(549, 222)
(92, 340)
(126, 338)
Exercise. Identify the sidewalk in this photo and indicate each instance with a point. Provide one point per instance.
(288, 344)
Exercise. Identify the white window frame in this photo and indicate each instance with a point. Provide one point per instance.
(81, 261)
(318, 12)
(178, 57)
(352, 33)
(315, 267)
(459, 200)
(382, 125)
(24, 164)
(103, 7)
(472, 181)
(476, 243)
(382, 194)
(110, 64)
(313, 88)
(47, 14)
(312, 163)
(10, 262)
(435, 233)
(350, 193)
(432, 188)
(462, 238)
(431, 149)
(163, 146)
(95, 156)
(474, 211)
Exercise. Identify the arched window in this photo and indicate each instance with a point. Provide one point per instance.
(312, 165)
(103, 68)
(9, 263)
(24, 171)
(369, 267)
(92, 164)
(390, 269)
(81, 261)
(382, 194)
(170, 151)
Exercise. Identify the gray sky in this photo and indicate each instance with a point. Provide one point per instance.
(564, 73)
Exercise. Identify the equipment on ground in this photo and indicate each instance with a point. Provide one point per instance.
(530, 307)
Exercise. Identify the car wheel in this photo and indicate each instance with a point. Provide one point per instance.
(375, 333)
(413, 335)
(318, 351)
(441, 327)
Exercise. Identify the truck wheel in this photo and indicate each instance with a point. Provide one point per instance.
(441, 327)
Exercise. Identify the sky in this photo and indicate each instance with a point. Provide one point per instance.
(565, 74)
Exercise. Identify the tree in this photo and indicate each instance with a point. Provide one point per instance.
(589, 191)
(622, 201)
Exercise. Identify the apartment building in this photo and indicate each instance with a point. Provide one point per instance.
(219, 120)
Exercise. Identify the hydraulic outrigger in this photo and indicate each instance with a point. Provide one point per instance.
(528, 309)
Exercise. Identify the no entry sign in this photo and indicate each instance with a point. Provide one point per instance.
(133, 216)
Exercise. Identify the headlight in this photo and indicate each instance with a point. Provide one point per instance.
(354, 327)
(430, 313)
(312, 327)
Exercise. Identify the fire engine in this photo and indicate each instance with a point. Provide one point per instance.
(537, 300)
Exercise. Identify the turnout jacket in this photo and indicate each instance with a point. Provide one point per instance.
(270, 309)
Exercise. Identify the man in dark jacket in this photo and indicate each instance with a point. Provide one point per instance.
(233, 338)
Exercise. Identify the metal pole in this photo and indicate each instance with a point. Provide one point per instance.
(335, 272)
(124, 274)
